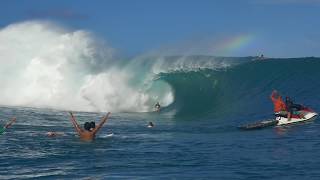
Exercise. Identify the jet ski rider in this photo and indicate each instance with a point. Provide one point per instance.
(286, 109)
(293, 108)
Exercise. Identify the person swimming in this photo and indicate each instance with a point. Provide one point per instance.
(3, 129)
(150, 125)
(90, 129)
(54, 134)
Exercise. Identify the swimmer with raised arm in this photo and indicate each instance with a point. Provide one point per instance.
(90, 129)
(3, 129)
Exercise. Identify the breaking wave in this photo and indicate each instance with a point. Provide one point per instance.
(48, 66)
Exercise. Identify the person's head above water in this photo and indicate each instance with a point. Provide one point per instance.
(92, 124)
(89, 126)
(150, 124)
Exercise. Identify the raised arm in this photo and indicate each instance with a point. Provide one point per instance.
(103, 120)
(10, 123)
(273, 94)
(75, 124)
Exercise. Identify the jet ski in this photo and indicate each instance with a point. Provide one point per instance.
(305, 114)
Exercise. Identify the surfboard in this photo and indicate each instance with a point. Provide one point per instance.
(259, 125)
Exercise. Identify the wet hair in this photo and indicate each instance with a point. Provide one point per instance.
(87, 126)
(92, 124)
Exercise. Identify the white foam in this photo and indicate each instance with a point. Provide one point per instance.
(44, 65)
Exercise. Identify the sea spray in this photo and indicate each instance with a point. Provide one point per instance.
(46, 65)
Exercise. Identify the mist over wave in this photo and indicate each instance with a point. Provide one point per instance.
(46, 65)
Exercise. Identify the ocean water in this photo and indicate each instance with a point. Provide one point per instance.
(204, 99)
(195, 137)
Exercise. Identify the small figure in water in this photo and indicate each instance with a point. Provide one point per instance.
(3, 129)
(150, 125)
(54, 134)
(90, 129)
(157, 107)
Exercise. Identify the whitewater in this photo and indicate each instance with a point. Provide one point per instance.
(44, 65)
(48, 69)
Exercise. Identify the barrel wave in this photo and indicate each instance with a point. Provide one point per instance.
(48, 66)
(243, 89)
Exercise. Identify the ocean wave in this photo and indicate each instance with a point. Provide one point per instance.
(48, 66)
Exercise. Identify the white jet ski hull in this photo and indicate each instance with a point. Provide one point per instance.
(308, 116)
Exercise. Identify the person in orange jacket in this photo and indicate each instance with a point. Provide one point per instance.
(279, 105)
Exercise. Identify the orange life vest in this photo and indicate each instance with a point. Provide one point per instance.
(279, 105)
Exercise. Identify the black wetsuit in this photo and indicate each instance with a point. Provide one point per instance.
(293, 107)
(289, 105)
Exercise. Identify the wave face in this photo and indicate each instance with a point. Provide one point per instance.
(45, 65)
(244, 88)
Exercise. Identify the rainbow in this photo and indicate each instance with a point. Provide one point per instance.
(233, 45)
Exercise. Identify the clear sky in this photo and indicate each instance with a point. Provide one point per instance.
(277, 28)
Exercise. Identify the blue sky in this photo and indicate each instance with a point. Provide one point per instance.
(279, 28)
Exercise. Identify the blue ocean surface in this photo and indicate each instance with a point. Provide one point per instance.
(196, 136)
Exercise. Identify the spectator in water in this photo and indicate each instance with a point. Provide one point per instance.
(3, 129)
(90, 129)
(150, 125)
